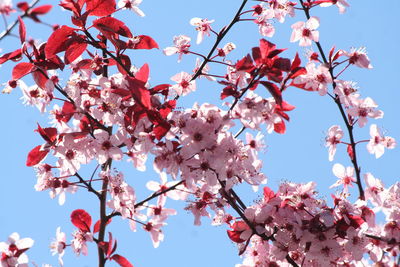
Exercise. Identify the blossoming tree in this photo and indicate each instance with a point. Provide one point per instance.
(105, 109)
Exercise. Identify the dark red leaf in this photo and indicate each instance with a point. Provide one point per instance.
(245, 64)
(14, 56)
(266, 48)
(143, 73)
(41, 10)
(350, 151)
(35, 156)
(282, 64)
(57, 41)
(126, 62)
(228, 91)
(96, 227)
(297, 72)
(268, 193)
(161, 130)
(112, 25)
(275, 52)
(145, 42)
(22, 69)
(23, 6)
(39, 78)
(67, 111)
(167, 108)
(81, 219)
(110, 245)
(296, 62)
(22, 30)
(274, 91)
(48, 134)
(235, 236)
(100, 8)
(74, 50)
(122, 261)
(280, 127)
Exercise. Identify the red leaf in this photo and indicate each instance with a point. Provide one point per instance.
(266, 48)
(100, 8)
(274, 91)
(167, 107)
(280, 127)
(22, 30)
(41, 10)
(74, 51)
(145, 42)
(35, 156)
(350, 152)
(23, 6)
(235, 236)
(39, 78)
(143, 73)
(14, 56)
(122, 261)
(81, 219)
(57, 41)
(112, 25)
(96, 226)
(126, 62)
(48, 134)
(139, 93)
(67, 111)
(296, 62)
(161, 130)
(268, 193)
(245, 64)
(21, 69)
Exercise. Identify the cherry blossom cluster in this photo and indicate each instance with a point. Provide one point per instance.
(108, 111)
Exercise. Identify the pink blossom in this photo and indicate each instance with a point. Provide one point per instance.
(335, 133)
(131, 4)
(347, 92)
(12, 251)
(375, 189)
(282, 8)
(363, 108)
(181, 46)
(6, 7)
(204, 71)
(175, 194)
(34, 96)
(71, 154)
(229, 47)
(359, 58)
(154, 228)
(341, 4)
(345, 175)
(257, 143)
(58, 245)
(106, 147)
(264, 23)
(378, 142)
(305, 32)
(317, 78)
(184, 85)
(202, 26)
(79, 243)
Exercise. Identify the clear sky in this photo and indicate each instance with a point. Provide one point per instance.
(299, 155)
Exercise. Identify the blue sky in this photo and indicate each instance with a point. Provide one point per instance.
(298, 156)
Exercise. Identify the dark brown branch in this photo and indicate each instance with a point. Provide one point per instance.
(15, 23)
(220, 36)
(349, 126)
